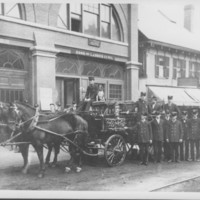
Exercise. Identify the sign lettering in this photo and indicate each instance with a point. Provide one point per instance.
(92, 54)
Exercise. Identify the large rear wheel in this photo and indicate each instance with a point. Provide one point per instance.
(115, 150)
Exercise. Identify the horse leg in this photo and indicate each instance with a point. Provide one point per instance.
(39, 150)
(50, 147)
(24, 151)
(57, 150)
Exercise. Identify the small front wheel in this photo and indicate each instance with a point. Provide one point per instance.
(115, 150)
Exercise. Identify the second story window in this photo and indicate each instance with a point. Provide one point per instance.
(194, 69)
(179, 68)
(93, 19)
(10, 10)
(161, 67)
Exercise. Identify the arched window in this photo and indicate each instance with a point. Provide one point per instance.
(11, 10)
(10, 60)
(92, 19)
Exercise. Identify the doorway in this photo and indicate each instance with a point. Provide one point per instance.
(71, 91)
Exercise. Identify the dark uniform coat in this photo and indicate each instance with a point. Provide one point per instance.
(175, 132)
(185, 125)
(166, 127)
(92, 91)
(144, 132)
(172, 108)
(142, 106)
(194, 129)
(154, 107)
(157, 129)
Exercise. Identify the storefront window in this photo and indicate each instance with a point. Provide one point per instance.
(92, 19)
(10, 60)
(115, 92)
(9, 95)
(10, 10)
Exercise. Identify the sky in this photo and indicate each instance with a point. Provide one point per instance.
(174, 9)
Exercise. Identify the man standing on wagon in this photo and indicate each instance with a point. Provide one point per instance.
(91, 94)
(144, 136)
(172, 107)
(141, 105)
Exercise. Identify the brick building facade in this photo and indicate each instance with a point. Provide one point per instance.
(47, 51)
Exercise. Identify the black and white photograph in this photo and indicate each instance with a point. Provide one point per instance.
(100, 99)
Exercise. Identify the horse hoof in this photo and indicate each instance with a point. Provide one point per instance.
(67, 169)
(78, 169)
(40, 175)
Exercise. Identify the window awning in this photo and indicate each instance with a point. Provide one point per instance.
(194, 94)
(181, 96)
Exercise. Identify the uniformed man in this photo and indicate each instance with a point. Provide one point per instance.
(184, 146)
(172, 107)
(144, 136)
(167, 147)
(141, 105)
(91, 93)
(194, 134)
(154, 105)
(58, 108)
(175, 136)
(158, 137)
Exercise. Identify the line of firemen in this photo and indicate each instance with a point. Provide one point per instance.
(170, 132)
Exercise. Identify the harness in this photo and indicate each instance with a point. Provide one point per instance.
(34, 125)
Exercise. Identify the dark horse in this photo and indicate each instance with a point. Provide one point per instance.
(39, 129)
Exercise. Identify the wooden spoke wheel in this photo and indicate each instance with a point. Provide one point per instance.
(115, 150)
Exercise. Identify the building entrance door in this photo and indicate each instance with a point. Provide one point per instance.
(71, 90)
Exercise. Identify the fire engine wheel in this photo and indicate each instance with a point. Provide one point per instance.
(115, 150)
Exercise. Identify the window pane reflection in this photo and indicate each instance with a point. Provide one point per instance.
(105, 30)
(115, 29)
(91, 24)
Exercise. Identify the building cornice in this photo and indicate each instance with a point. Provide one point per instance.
(44, 51)
(133, 65)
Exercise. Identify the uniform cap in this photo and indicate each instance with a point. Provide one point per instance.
(91, 78)
(73, 102)
(194, 111)
(58, 104)
(184, 112)
(36, 105)
(174, 114)
(154, 97)
(143, 94)
(167, 112)
(170, 97)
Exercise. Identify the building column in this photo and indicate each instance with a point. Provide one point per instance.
(43, 76)
(132, 77)
(132, 69)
